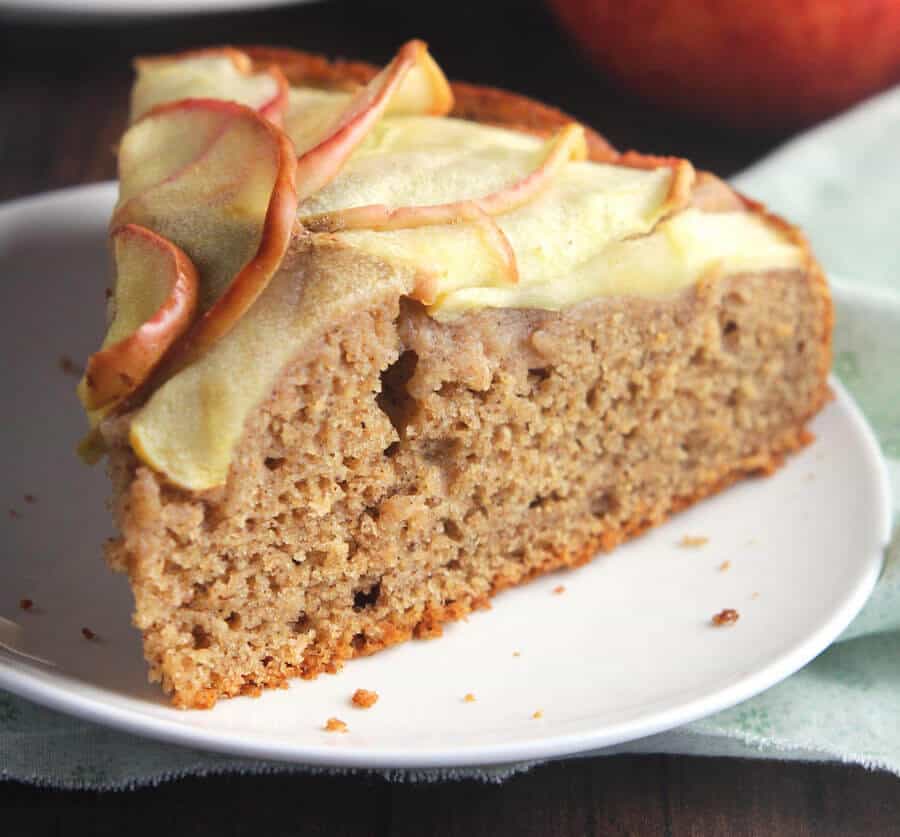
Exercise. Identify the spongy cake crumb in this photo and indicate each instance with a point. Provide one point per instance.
(364, 699)
(404, 470)
(724, 618)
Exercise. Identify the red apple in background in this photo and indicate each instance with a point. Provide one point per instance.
(751, 63)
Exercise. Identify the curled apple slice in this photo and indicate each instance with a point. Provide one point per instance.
(568, 144)
(422, 88)
(217, 179)
(683, 177)
(220, 73)
(441, 258)
(313, 115)
(154, 301)
(378, 218)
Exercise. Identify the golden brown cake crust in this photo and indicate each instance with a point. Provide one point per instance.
(158, 520)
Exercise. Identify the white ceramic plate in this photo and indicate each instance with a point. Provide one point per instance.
(96, 9)
(626, 651)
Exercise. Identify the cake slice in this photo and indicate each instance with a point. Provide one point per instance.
(382, 346)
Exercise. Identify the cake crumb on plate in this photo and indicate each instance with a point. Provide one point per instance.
(727, 616)
(469, 698)
(693, 541)
(364, 699)
(70, 367)
(335, 725)
(560, 588)
(538, 714)
(26, 604)
(87, 633)
(725, 565)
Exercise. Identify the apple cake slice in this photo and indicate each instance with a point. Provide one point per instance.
(381, 346)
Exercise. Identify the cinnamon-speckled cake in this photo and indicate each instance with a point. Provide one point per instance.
(381, 346)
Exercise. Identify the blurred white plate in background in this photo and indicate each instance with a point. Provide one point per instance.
(91, 9)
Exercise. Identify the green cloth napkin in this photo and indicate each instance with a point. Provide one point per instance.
(841, 183)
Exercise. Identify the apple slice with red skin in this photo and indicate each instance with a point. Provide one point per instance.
(218, 73)
(568, 144)
(683, 176)
(713, 195)
(468, 212)
(312, 113)
(424, 88)
(154, 301)
(217, 179)
(319, 164)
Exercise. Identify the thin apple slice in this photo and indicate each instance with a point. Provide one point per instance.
(439, 258)
(321, 158)
(424, 89)
(219, 73)
(568, 144)
(153, 303)
(683, 177)
(217, 179)
(313, 115)
(713, 195)
(380, 218)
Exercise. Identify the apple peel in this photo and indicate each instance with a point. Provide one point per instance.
(255, 276)
(425, 89)
(197, 196)
(219, 73)
(154, 301)
(568, 144)
(319, 164)
(427, 285)
(312, 113)
(683, 177)
(713, 195)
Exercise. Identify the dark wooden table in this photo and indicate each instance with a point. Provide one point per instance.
(62, 107)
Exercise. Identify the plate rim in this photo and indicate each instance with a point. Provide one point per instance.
(90, 11)
(87, 703)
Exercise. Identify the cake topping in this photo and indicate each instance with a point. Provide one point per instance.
(153, 303)
(218, 180)
(320, 158)
(221, 73)
(567, 145)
